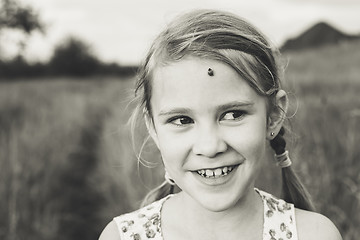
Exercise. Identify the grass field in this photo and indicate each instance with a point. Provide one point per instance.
(67, 165)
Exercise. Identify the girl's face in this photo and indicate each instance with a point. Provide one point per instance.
(211, 130)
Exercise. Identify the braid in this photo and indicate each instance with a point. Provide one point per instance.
(293, 191)
(279, 143)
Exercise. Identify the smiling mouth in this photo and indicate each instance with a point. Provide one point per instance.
(216, 173)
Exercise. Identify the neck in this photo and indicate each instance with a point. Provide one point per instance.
(244, 206)
(242, 218)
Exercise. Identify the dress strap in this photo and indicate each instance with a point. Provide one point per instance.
(144, 223)
(279, 218)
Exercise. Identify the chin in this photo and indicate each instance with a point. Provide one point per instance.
(218, 202)
(222, 197)
(219, 206)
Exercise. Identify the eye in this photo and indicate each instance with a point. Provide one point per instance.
(180, 120)
(235, 115)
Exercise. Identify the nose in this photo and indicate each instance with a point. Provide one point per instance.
(209, 142)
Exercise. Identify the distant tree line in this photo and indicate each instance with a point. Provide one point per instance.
(71, 58)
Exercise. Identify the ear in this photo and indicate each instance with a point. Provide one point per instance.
(151, 128)
(277, 114)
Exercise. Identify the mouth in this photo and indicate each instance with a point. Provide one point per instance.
(216, 172)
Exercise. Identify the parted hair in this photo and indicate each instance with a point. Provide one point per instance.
(224, 37)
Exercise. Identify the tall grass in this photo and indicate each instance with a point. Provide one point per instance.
(325, 85)
(50, 137)
(67, 165)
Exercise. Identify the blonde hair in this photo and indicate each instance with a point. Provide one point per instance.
(224, 37)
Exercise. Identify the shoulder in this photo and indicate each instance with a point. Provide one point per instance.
(110, 232)
(140, 224)
(311, 225)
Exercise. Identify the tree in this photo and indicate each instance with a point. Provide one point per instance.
(74, 57)
(14, 16)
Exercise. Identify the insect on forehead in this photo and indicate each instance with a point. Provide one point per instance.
(210, 72)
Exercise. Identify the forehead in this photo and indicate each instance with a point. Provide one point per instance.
(187, 82)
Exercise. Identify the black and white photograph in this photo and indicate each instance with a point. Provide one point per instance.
(174, 120)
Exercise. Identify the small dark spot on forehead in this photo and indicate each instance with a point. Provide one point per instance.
(210, 72)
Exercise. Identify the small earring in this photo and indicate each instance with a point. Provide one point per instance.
(168, 179)
(272, 134)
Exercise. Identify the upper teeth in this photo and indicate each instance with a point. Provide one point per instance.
(215, 172)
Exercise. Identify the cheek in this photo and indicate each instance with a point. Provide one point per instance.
(173, 148)
(256, 149)
(250, 141)
(252, 146)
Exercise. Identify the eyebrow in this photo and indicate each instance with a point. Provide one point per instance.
(220, 108)
(174, 111)
(235, 104)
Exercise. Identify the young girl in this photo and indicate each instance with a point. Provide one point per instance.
(211, 97)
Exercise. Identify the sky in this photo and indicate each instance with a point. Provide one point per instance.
(122, 30)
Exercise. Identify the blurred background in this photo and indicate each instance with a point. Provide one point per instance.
(67, 70)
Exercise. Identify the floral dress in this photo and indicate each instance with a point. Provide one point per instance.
(145, 223)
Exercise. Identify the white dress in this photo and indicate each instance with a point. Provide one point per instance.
(145, 223)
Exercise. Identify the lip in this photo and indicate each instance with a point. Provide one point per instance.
(213, 166)
(216, 181)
